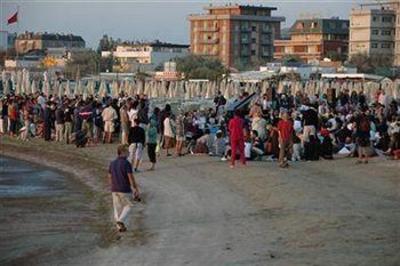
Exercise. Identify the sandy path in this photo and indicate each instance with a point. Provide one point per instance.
(199, 212)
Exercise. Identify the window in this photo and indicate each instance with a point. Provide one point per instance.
(245, 38)
(265, 39)
(386, 32)
(266, 27)
(374, 45)
(253, 40)
(300, 26)
(374, 18)
(386, 45)
(244, 26)
(253, 28)
(314, 25)
(386, 19)
(375, 32)
(253, 52)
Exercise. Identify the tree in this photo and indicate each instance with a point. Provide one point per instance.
(106, 63)
(201, 67)
(85, 63)
(370, 64)
(290, 58)
(335, 56)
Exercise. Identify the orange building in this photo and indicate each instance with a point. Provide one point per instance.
(236, 34)
(314, 39)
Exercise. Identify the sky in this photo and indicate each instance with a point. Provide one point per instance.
(140, 19)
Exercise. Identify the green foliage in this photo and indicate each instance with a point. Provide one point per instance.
(200, 67)
(245, 65)
(291, 59)
(105, 44)
(83, 64)
(335, 56)
(371, 64)
(106, 63)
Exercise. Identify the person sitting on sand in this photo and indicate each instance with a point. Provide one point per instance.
(122, 184)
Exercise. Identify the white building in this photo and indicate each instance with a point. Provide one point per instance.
(145, 56)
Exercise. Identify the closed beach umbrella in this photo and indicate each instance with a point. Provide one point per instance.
(68, 90)
(102, 89)
(85, 91)
(33, 87)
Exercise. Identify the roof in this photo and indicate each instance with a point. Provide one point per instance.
(155, 43)
(352, 76)
(248, 7)
(321, 25)
(49, 36)
(252, 76)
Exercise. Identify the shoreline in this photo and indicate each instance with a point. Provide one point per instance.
(332, 209)
(71, 223)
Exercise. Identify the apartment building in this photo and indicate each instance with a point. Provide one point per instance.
(145, 56)
(29, 41)
(236, 34)
(375, 30)
(314, 39)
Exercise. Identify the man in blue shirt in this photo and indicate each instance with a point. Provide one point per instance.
(122, 184)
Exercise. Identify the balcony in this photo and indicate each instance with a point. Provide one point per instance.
(209, 41)
(208, 29)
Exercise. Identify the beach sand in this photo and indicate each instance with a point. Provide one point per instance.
(197, 211)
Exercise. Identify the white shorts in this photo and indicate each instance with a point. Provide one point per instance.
(109, 126)
(135, 151)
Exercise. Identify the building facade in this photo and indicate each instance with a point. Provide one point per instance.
(145, 56)
(314, 39)
(375, 31)
(29, 41)
(236, 34)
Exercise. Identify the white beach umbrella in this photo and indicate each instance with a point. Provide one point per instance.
(102, 89)
(27, 82)
(68, 90)
(33, 87)
(225, 89)
(91, 87)
(59, 89)
(78, 88)
(85, 90)
(13, 79)
(396, 89)
(4, 81)
(209, 94)
(114, 89)
(187, 95)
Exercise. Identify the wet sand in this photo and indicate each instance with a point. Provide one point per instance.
(197, 211)
(44, 216)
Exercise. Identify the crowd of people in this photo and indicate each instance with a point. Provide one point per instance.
(275, 126)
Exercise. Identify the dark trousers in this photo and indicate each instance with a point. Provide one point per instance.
(13, 126)
(151, 151)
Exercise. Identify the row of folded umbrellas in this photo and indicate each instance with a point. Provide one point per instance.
(20, 83)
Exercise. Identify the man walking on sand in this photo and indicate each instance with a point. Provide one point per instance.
(122, 184)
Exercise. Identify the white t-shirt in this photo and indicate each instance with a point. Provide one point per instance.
(247, 150)
(167, 128)
(132, 114)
